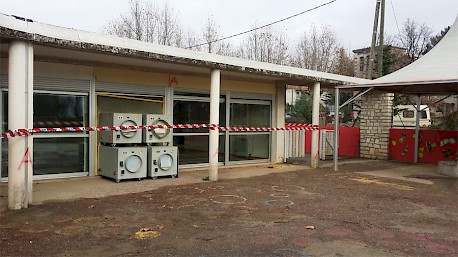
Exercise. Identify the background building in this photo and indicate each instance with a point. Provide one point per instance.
(394, 59)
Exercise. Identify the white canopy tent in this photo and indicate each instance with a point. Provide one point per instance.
(436, 73)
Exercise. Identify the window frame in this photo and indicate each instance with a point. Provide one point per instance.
(75, 134)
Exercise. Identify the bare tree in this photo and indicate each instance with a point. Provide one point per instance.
(191, 39)
(266, 45)
(414, 38)
(317, 50)
(168, 26)
(210, 33)
(132, 24)
(344, 63)
(145, 22)
(226, 48)
(211, 36)
(150, 22)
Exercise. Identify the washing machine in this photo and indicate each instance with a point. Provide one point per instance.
(123, 162)
(162, 161)
(157, 135)
(121, 136)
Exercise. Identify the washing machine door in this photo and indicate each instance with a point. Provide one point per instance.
(128, 133)
(133, 163)
(165, 161)
(161, 132)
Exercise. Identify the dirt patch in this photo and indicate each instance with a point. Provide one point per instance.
(312, 213)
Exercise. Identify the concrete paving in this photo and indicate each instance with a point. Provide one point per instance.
(406, 173)
(94, 187)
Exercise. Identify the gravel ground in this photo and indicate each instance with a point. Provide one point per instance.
(300, 213)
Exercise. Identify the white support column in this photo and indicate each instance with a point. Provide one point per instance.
(20, 116)
(214, 119)
(315, 121)
(92, 122)
(278, 121)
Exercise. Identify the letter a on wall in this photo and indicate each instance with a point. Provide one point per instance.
(27, 158)
(173, 81)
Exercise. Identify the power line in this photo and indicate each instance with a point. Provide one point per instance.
(397, 25)
(270, 24)
(395, 18)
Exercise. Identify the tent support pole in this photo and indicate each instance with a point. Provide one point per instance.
(353, 98)
(336, 129)
(417, 129)
(442, 99)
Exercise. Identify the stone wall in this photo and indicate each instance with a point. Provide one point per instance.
(375, 122)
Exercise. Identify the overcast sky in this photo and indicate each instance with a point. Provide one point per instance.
(352, 20)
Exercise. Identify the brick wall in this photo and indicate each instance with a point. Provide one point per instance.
(375, 123)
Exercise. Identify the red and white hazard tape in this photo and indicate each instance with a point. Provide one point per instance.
(28, 132)
(297, 125)
(57, 124)
(255, 129)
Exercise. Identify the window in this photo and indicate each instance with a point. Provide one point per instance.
(194, 149)
(59, 110)
(193, 144)
(54, 153)
(423, 115)
(361, 63)
(195, 112)
(3, 128)
(4, 158)
(408, 114)
(59, 155)
(234, 146)
(249, 147)
(244, 146)
(251, 115)
(366, 64)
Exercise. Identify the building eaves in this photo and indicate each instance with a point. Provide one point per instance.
(54, 36)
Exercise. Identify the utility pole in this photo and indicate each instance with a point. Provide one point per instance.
(374, 40)
(380, 50)
(379, 9)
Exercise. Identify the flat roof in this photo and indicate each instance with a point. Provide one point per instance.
(12, 28)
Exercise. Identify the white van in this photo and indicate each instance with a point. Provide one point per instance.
(406, 116)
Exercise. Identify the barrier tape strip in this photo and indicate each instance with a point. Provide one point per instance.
(28, 132)
(255, 129)
(296, 125)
